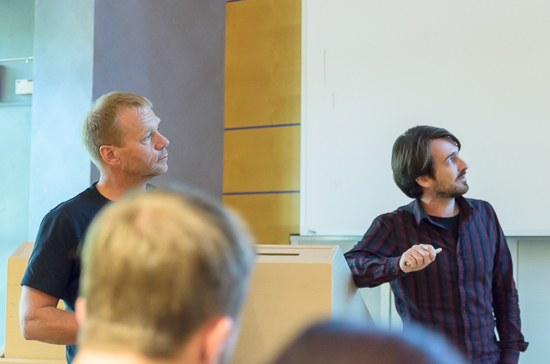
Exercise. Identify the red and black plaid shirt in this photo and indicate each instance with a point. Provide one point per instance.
(464, 293)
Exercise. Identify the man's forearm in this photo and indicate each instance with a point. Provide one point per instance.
(509, 357)
(51, 325)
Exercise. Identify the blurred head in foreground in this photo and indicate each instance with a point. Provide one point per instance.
(164, 278)
(346, 343)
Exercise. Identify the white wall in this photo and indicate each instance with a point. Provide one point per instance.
(16, 41)
(14, 190)
(63, 52)
(373, 69)
(533, 267)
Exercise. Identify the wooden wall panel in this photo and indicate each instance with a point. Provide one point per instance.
(262, 160)
(263, 62)
(272, 217)
(262, 115)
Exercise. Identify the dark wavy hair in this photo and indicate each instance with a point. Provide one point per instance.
(412, 157)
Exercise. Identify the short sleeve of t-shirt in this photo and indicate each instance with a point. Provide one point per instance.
(52, 262)
(54, 265)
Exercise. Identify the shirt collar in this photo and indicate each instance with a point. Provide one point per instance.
(419, 213)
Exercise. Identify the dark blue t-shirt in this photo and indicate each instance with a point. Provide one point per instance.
(449, 223)
(54, 265)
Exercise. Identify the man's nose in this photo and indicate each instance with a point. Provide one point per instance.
(163, 142)
(463, 165)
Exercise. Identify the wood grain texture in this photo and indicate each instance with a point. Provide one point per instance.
(272, 218)
(262, 63)
(262, 160)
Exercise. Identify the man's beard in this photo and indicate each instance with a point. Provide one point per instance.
(448, 191)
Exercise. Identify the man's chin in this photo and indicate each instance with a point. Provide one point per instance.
(162, 171)
(162, 166)
(459, 192)
(456, 192)
(158, 171)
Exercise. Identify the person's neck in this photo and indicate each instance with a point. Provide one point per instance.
(439, 207)
(88, 356)
(113, 186)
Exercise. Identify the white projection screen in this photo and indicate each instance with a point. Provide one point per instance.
(373, 68)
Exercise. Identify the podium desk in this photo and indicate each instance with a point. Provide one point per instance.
(292, 287)
(17, 349)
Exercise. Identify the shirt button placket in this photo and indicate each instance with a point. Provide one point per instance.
(463, 300)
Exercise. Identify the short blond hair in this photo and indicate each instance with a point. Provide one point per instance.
(158, 265)
(100, 126)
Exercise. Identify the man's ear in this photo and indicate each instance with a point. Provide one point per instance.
(80, 311)
(216, 335)
(424, 181)
(108, 155)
